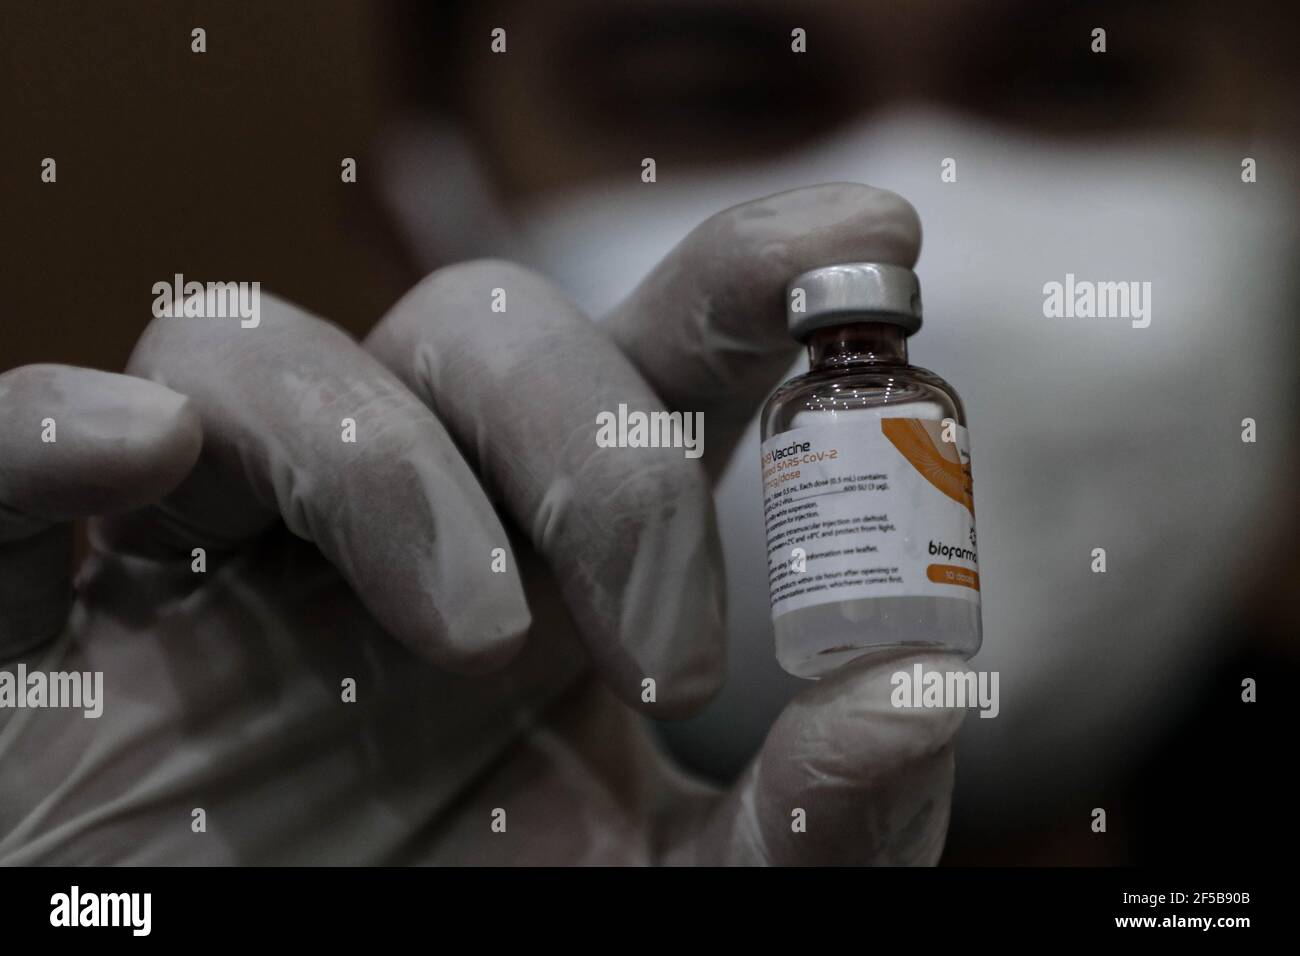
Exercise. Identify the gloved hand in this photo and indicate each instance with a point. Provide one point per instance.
(495, 714)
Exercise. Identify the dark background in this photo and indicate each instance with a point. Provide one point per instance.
(225, 163)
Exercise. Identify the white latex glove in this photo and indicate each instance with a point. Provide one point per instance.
(223, 690)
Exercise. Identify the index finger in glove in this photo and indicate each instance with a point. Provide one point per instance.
(629, 531)
(300, 422)
(707, 327)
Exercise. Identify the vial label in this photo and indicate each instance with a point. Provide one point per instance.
(877, 507)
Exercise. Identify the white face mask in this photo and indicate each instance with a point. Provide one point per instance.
(1087, 433)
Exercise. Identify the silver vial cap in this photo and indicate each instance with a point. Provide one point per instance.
(853, 292)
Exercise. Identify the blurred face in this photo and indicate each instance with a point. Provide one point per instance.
(588, 88)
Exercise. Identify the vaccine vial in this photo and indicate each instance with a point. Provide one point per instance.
(867, 495)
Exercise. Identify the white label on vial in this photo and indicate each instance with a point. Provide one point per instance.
(867, 508)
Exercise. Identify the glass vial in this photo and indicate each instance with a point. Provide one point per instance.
(866, 482)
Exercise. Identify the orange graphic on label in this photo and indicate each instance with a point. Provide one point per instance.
(938, 463)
